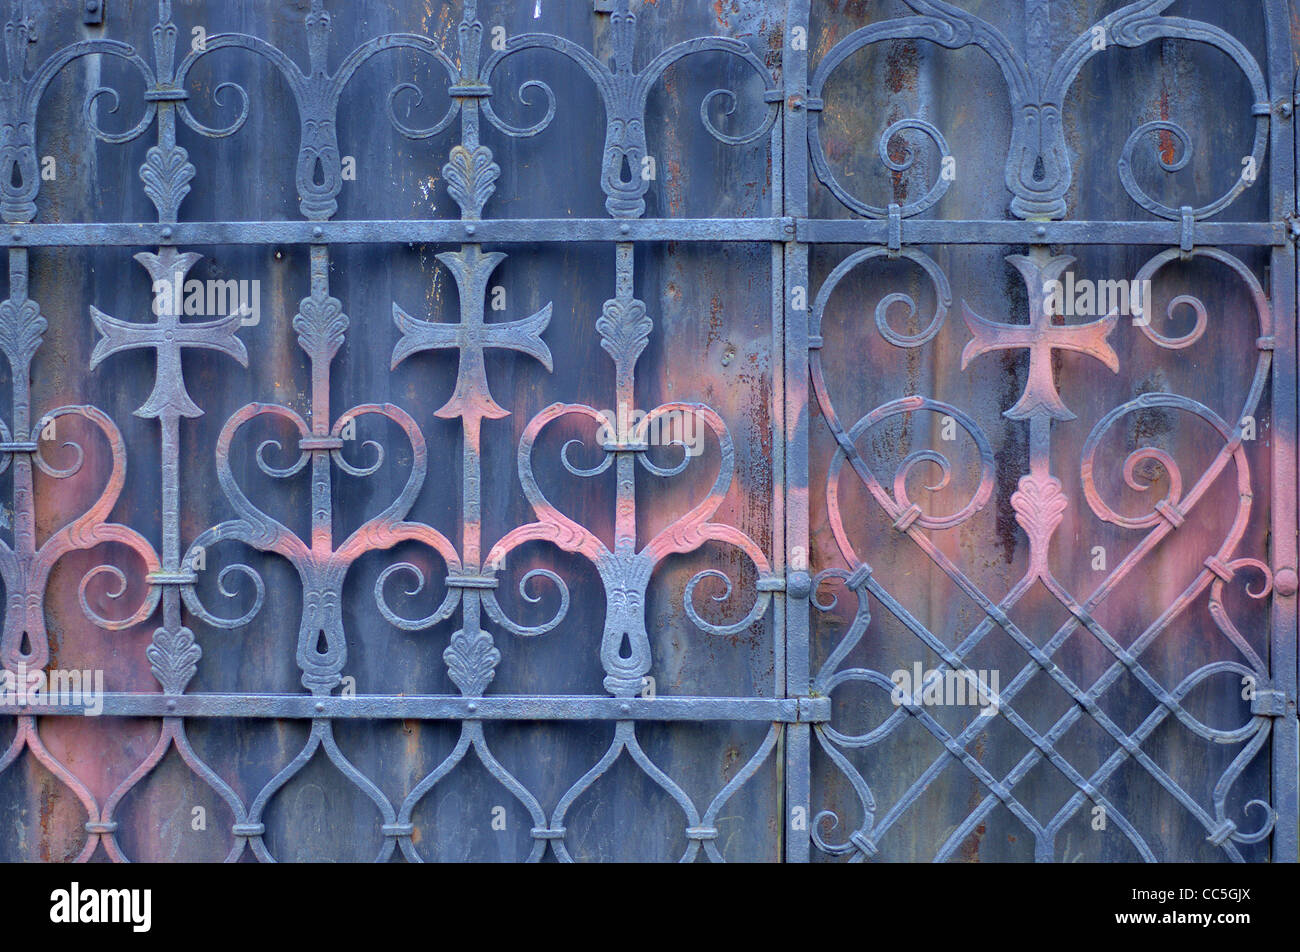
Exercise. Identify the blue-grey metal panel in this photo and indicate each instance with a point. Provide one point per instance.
(462, 622)
(1091, 524)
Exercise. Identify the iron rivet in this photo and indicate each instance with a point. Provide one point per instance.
(624, 228)
(1287, 582)
(317, 231)
(171, 705)
(1040, 231)
(320, 705)
(166, 233)
(624, 708)
(469, 229)
(16, 234)
(1286, 109)
(471, 707)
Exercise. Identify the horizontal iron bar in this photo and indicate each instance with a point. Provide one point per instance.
(921, 231)
(426, 231)
(855, 231)
(446, 707)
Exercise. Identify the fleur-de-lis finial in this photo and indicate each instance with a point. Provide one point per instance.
(622, 24)
(20, 30)
(318, 32)
(471, 38)
(164, 43)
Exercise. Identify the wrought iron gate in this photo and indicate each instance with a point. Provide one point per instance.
(1019, 585)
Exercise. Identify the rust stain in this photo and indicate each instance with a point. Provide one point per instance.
(900, 66)
(775, 45)
(1167, 141)
(970, 850)
(719, 13)
(674, 186)
(49, 800)
(850, 8)
(715, 320)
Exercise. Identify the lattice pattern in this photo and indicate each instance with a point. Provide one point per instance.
(1039, 176)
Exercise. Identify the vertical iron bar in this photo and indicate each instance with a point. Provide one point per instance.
(169, 422)
(1282, 656)
(798, 819)
(471, 516)
(780, 565)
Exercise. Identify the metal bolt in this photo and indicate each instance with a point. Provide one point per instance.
(624, 228)
(624, 708)
(166, 233)
(171, 705)
(1287, 582)
(470, 229)
(471, 707)
(1285, 110)
(1041, 231)
(317, 232)
(320, 705)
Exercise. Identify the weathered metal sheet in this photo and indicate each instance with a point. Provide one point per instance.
(1086, 519)
(508, 523)
(473, 608)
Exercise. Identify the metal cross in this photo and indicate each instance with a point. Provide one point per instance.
(1040, 337)
(168, 336)
(472, 336)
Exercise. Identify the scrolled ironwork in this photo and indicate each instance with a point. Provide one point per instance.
(467, 621)
(1039, 505)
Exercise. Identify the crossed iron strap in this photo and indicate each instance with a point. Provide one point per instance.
(1039, 178)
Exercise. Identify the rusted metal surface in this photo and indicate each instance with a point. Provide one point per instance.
(471, 724)
(1096, 510)
(594, 285)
